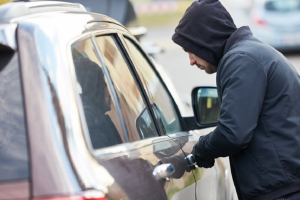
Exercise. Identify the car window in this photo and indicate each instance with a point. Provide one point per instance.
(159, 97)
(13, 137)
(136, 116)
(101, 117)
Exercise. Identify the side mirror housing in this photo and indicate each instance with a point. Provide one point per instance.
(206, 106)
(206, 109)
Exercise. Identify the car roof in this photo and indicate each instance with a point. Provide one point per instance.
(20, 9)
(16, 11)
(50, 14)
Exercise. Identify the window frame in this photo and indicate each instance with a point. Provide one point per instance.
(83, 123)
(122, 35)
(134, 74)
(118, 37)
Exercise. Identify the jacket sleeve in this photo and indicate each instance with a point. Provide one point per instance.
(243, 82)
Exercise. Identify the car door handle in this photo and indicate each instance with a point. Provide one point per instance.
(163, 171)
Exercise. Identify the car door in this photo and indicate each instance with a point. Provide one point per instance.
(120, 126)
(210, 182)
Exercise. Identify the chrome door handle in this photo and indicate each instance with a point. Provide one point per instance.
(163, 171)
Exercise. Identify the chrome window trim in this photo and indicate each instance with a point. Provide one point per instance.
(114, 93)
(128, 148)
(138, 79)
(176, 108)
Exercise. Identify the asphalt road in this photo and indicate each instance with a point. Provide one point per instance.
(176, 63)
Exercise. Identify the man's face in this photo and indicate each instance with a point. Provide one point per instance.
(201, 64)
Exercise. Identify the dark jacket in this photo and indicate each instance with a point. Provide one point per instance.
(259, 92)
(259, 124)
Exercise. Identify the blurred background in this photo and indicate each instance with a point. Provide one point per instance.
(275, 22)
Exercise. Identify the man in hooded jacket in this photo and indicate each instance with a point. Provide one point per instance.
(259, 94)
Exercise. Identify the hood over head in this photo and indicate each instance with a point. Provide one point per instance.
(204, 30)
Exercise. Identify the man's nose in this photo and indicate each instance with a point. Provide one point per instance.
(192, 60)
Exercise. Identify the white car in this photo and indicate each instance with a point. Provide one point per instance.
(85, 114)
(277, 23)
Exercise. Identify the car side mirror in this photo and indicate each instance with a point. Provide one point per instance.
(206, 109)
(206, 105)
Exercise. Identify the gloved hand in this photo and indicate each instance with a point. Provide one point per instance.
(200, 160)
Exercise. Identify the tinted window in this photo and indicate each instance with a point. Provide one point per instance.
(135, 114)
(99, 108)
(160, 99)
(13, 138)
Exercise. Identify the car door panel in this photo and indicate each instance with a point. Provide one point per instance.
(165, 150)
(206, 187)
(132, 176)
(211, 182)
(132, 167)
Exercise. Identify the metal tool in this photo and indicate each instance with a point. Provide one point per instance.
(191, 161)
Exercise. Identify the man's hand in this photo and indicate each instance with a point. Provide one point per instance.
(201, 162)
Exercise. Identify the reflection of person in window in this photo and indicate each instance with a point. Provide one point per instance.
(96, 102)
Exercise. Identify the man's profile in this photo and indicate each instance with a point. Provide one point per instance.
(259, 95)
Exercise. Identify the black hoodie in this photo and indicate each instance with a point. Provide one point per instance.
(204, 30)
(258, 89)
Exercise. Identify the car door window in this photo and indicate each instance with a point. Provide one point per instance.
(14, 160)
(160, 99)
(101, 117)
(135, 114)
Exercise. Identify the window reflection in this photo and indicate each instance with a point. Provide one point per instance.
(129, 96)
(208, 105)
(162, 103)
(101, 117)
